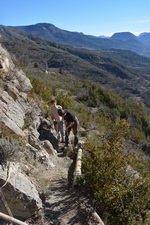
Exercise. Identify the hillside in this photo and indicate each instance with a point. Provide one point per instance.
(126, 74)
(79, 40)
(35, 175)
(114, 136)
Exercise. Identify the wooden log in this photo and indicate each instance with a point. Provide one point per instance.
(11, 219)
(97, 218)
(77, 171)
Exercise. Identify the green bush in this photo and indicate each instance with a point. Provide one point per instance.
(40, 88)
(27, 122)
(63, 99)
(8, 147)
(117, 179)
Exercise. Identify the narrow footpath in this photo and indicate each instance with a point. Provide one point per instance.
(63, 204)
(66, 205)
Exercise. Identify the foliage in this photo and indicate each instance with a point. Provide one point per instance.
(107, 166)
(8, 147)
(136, 135)
(63, 99)
(117, 107)
(123, 71)
(43, 96)
(117, 180)
(40, 88)
(111, 107)
(27, 121)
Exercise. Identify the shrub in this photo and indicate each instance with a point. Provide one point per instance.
(27, 121)
(8, 146)
(117, 179)
(41, 90)
(63, 99)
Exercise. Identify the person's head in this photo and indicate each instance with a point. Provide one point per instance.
(53, 102)
(61, 112)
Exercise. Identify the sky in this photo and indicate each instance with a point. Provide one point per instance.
(93, 17)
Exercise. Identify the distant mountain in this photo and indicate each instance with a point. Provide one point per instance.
(103, 36)
(124, 36)
(145, 38)
(123, 40)
(124, 72)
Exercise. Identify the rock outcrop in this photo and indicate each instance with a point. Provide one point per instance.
(13, 96)
(23, 197)
(20, 190)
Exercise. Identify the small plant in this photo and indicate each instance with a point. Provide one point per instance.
(79, 181)
(8, 146)
(27, 122)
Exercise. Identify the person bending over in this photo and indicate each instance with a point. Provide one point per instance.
(71, 124)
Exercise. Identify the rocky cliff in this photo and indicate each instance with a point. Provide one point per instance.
(19, 191)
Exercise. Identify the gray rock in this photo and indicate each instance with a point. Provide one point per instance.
(13, 97)
(5, 62)
(48, 147)
(34, 142)
(43, 158)
(20, 193)
(8, 111)
(20, 118)
(39, 158)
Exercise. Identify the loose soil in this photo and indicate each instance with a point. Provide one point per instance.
(64, 204)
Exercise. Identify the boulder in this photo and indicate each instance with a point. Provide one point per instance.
(43, 158)
(38, 158)
(48, 147)
(19, 192)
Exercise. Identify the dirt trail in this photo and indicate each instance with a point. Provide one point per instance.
(63, 203)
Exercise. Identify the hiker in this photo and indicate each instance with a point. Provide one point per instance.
(57, 120)
(71, 124)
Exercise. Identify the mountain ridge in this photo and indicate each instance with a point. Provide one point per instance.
(113, 69)
(79, 40)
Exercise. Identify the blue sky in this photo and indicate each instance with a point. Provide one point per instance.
(95, 17)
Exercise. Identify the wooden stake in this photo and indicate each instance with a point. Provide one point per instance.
(11, 219)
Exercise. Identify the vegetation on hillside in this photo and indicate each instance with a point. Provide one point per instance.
(124, 72)
(115, 171)
(109, 106)
(80, 80)
(118, 180)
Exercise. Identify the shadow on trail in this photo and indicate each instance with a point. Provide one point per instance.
(65, 206)
(71, 173)
(62, 206)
